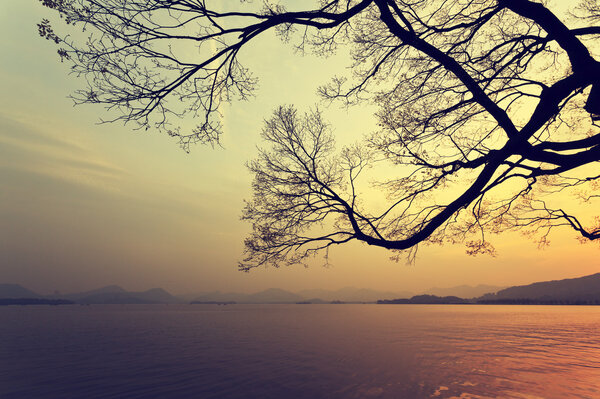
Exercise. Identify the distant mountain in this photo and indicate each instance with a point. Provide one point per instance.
(275, 295)
(157, 295)
(464, 291)
(272, 295)
(113, 294)
(105, 290)
(580, 290)
(574, 291)
(220, 297)
(426, 300)
(351, 294)
(113, 298)
(76, 296)
(16, 291)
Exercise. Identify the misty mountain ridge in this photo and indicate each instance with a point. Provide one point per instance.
(109, 289)
(464, 291)
(351, 294)
(115, 294)
(276, 295)
(572, 290)
(16, 291)
(111, 294)
(582, 290)
(271, 295)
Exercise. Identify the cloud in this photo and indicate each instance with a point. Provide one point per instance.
(53, 168)
(27, 149)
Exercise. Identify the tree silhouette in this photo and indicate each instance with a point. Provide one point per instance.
(488, 112)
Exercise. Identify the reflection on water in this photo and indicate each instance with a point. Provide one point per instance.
(300, 351)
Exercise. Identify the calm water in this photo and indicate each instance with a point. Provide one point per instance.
(299, 351)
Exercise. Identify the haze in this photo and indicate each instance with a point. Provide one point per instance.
(84, 205)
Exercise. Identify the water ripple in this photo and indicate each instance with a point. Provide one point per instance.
(317, 351)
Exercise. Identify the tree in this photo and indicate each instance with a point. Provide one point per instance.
(488, 112)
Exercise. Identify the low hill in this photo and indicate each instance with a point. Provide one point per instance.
(581, 290)
(272, 295)
(114, 294)
(426, 300)
(113, 298)
(157, 295)
(464, 291)
(219, 297)
(76, 296)
(16, 291)
(275, 295)
(352, 294)
(117, 295)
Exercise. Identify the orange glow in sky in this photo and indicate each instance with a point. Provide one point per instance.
(84, 205)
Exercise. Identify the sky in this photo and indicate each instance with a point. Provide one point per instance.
(84, 205)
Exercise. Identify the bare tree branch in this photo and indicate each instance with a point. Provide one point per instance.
(488, 112)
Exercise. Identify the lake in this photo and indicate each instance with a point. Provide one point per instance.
(299, 351)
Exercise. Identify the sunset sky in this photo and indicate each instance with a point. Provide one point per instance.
(84, 205)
